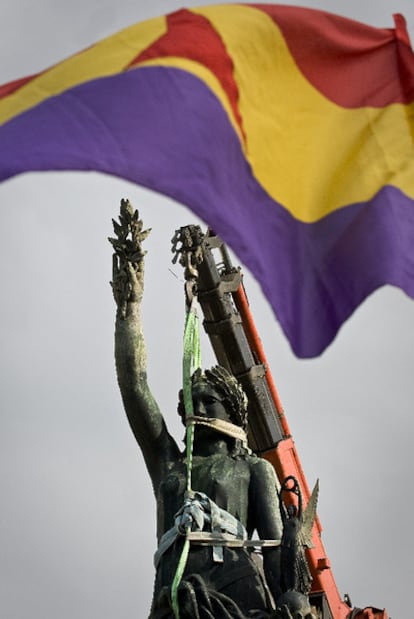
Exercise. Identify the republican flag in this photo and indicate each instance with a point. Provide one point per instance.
(290, 131)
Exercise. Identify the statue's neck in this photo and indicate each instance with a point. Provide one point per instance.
(209, 443)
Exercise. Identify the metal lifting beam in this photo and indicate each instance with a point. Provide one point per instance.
(224, 325)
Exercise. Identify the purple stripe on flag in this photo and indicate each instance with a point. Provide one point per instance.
(164, 129)
(322, 271)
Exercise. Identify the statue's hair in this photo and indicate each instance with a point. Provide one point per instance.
(228, 387)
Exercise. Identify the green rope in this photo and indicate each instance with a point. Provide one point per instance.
(191, 362)
(177, 578)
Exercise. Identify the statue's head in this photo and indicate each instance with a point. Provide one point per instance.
(223, 387)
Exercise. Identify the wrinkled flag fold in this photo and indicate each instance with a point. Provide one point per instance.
(290, 131)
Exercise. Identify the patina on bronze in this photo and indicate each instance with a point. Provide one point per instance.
(235, 492)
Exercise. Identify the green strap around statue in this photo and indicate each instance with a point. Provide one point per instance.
(191, 362)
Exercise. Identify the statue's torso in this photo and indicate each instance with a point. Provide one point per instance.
(224, 479)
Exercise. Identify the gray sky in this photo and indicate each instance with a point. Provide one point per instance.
(77, 528)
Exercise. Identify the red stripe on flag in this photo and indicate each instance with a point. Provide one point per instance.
(192, 36)
(10, 87)
(351, 63)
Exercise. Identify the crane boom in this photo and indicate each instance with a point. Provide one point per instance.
(230, 327)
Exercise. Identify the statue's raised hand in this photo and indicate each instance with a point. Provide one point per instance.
(128, 259)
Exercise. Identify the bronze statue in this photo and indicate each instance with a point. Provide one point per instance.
(235, 492)
(297, 535)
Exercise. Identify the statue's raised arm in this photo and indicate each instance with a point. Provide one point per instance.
(143, 413)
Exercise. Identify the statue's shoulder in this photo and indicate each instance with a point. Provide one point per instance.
(261, 468)
(259, 462)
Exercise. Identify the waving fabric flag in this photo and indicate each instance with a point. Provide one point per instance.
(290, 131)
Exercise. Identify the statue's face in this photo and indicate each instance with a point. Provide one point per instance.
(207, 402)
